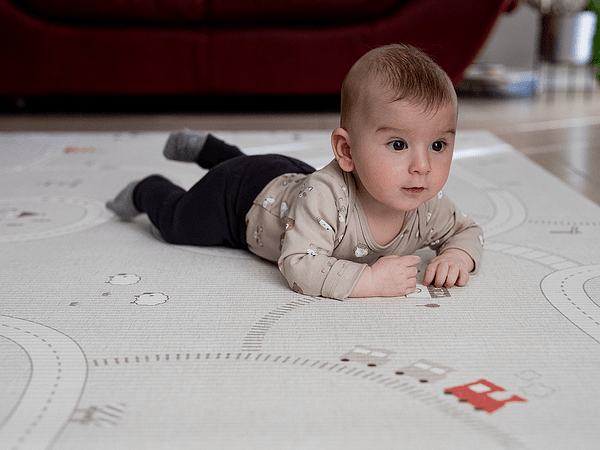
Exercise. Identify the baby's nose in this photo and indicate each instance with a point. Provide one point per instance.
(420, 163)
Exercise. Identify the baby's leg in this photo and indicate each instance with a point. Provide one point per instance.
(213, 211)
(195, 217)
(199, 147)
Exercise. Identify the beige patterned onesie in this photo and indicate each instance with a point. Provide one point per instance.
(314, 227)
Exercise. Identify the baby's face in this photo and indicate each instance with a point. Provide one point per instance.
(402, 155)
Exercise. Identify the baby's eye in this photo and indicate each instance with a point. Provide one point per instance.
(398, 145)
(438, 146)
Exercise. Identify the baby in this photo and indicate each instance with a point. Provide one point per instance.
(349, 229)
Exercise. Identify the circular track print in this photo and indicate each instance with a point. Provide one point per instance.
(24, 219)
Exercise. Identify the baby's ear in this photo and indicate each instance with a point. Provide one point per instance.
(340, 143)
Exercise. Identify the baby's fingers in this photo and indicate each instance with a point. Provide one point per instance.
(463, 278)
(440, 273)
(430, 273)
(448, 277)
(411, 260)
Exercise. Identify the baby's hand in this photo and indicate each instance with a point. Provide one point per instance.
(451, 268)
(390, 276)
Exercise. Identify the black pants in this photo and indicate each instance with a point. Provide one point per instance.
(213, 212)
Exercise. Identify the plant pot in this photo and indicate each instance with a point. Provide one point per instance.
(567, 38)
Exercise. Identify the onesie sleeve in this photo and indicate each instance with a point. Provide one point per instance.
(447, 227)
(315, 226)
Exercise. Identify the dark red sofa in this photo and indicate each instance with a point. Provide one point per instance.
(222, 47)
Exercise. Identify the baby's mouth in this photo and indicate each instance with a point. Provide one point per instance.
(414, 190)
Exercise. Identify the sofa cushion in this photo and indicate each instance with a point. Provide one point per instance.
(299, 12)
(209, 12)
(118, 11)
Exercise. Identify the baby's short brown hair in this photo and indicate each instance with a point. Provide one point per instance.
(408, 74)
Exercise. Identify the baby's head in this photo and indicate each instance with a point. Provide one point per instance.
(399, 72)
(398, 128)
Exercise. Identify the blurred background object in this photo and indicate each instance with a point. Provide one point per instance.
(558, 7)
(548, 47)
(566, 41)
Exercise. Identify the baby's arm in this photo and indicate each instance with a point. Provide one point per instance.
(450, 268)
(459, 245)
(390, 276)
(317, 222)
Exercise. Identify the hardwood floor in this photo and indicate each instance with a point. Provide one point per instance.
(562, 135)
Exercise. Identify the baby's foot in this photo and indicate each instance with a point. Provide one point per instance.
(185, 145)
(123, 205)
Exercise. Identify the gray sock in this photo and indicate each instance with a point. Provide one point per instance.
(185, 145)
(123, 205)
